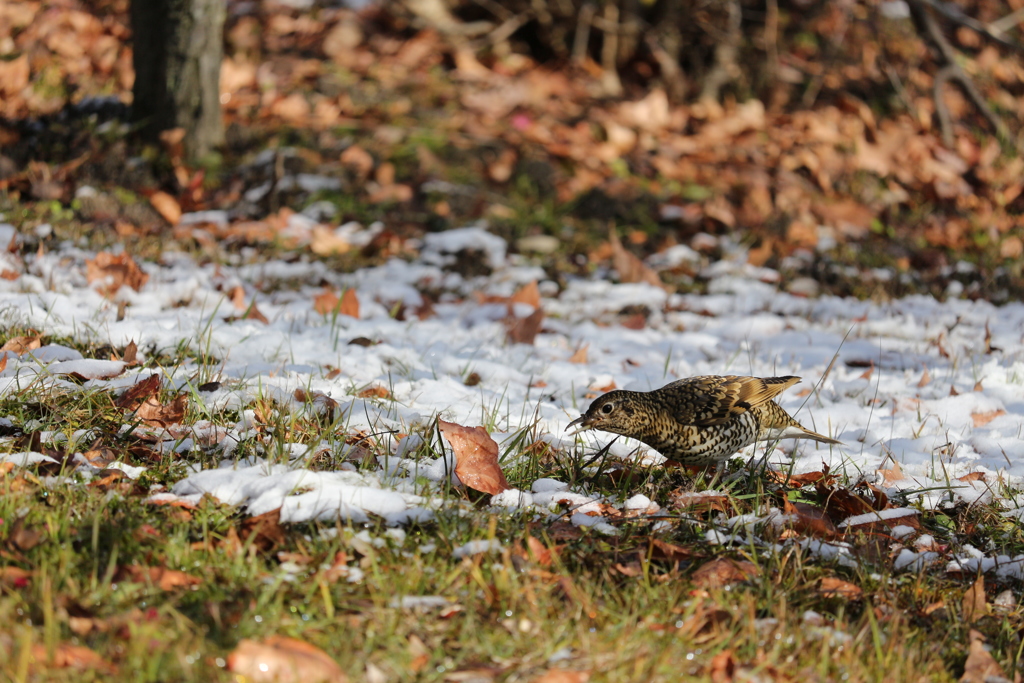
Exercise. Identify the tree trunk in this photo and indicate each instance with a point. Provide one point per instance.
(178, 46)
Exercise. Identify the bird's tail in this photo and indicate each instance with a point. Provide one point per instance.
(778, 424)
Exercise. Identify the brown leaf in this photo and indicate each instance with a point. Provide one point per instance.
(163, 578)
(974, 606)
(723, 667)
(131, 353)
(22, 536)
(562, 676)
(156, 414)
(528, 294)
(279, 659)
(476, 457)
(980, 665)
(831, 587)
(19, 345)
(926, 378)
(326, 242)
(374, 392)
(801, 480)
(982, 419)
(138, 392)
(326, 302)
(237, 297)
(723, 571)
(167, 206)
(265, 530)
(358, 159)
(254, 313)
(661, 550)
(972, 476)
(892, 475)
(113, 271)
(524, 330)
(349, 303)
(540, 553)
(68, 656)
(628, 266)
(579, 355)
(810, 519)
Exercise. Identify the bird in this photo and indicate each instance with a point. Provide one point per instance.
(699, 421)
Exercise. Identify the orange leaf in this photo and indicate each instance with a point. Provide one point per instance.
(528, 294)
(167, 206)
(982, 419)
(562, 676)
(476, 457)
(629, 267)
(68, 656)
(325, 302)
(162, 577)
(724, 571)
(349, 303)
(279, 659)
(19, 345)
(832, 587)
(114, 271)
(579, 355)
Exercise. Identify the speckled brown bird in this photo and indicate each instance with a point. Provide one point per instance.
(699, 420)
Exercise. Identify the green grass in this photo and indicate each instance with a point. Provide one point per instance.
(610, 605)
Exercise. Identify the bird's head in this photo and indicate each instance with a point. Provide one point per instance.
(614, 412)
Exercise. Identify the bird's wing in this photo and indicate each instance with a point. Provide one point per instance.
(712, 400)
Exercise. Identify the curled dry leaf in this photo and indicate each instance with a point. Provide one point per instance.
(562, 676)
(723, 571)
(982, 419)
(349, 303)
(831, 587)
(524, 330)
(810, 519)
(528, 294)
(167, 206)
(326, 302)
(580, 355)
(139, 392)
(476, 457)
(628, 266)
(980, 665)
(156, 414)
(163, 578)
(974, 605)
(113, 271)
(68, 656)
(19, 345)
(283, 660)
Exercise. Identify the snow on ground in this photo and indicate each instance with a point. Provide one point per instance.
(966, 418)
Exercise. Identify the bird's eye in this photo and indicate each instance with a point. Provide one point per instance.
(607, 408)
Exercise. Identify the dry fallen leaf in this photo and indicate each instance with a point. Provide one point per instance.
(580, 355)
(982, 419)
(264, 530)
(628, 266)
(528, 294)
(68, 656)
(562, 676)
(349, 303)
(156, 414)
(138, 392)
(283, 660)
(974, 606)
(113, 271)
(831, 587)
(476, 457)
(524, 330)
(980, 666)
(326, 301)
(167, 206)
(19, 345)
(163, 578)
(723, 667)
(723, 571)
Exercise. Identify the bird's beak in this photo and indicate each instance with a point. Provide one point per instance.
(583, 422)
